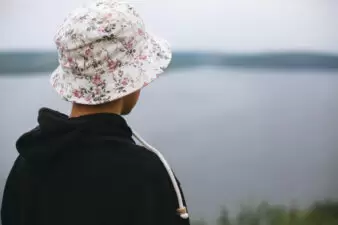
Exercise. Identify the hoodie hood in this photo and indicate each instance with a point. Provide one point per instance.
(56, 131)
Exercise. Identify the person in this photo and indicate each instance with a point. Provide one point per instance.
(86, 168)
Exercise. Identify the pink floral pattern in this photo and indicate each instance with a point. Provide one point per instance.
(106, 53)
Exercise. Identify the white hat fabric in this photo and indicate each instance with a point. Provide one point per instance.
(105, 53)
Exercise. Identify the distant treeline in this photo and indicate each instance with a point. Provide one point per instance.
(319, 213)
(34, 62)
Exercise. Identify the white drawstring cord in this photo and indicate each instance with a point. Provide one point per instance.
(182, 210)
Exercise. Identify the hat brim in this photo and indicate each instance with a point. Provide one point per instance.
(74, 89)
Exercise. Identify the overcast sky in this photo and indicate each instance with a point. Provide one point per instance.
(226, 25)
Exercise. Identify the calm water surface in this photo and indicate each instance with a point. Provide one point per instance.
(232, 136)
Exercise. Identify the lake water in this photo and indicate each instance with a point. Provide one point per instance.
(232, 136)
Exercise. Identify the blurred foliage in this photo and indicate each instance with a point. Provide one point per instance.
(319, 213)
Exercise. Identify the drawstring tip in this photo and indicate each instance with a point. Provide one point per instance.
(184, 216)
(183, 213)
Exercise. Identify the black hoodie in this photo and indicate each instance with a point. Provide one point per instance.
(86, 171)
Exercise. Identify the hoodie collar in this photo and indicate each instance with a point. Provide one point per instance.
(56, 132)
(105, 124)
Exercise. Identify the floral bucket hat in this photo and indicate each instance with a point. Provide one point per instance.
(105, 53)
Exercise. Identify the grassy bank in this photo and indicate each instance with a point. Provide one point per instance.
(319, 213)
